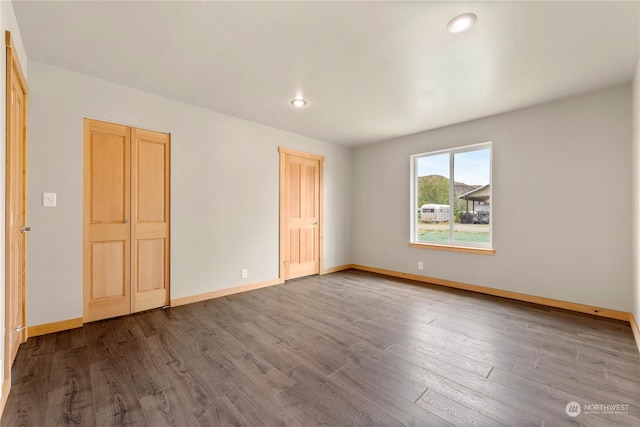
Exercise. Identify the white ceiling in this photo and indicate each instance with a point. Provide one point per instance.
(370, 70)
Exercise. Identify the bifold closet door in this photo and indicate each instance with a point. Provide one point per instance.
(126, 220)
(107, 229)
(150, 209)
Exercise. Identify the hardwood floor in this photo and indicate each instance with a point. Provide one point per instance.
(345, 349)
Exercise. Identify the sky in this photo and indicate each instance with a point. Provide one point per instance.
(472, 167)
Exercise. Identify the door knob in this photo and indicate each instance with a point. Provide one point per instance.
(24, 229)
(19, 328)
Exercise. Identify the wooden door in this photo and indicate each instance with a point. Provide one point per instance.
(16, 209)
(150, 209)
(301, 219)
(126, 220)
(107, 227)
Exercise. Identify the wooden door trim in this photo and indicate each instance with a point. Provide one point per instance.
(321, 218)
(283, 220)
(283, 152)
(13, 64)
(297, 153)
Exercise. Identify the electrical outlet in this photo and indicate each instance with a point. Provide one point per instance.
(49, 199)
(420, 265)
(244, 273)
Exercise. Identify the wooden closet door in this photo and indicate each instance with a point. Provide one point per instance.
(150, 209)
(107, 227)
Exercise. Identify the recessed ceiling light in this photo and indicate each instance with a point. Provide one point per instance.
(298, 102)
(462, 23)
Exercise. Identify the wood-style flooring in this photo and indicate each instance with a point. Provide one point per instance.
(345, 349)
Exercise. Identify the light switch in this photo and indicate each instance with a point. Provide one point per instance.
(49, 199)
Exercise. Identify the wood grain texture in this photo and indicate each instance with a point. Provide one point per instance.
(566, 305)
(343, 349)
(150, 223)
(302, 216)
(6, 388)
(49, 328)
(301, 221)
(106, 215)
(224, 292)
(454, 248)
(16, 190)
(336, 269)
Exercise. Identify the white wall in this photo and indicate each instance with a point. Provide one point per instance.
(224, 190)
(7, 23)
(636, 194)
(561, 205)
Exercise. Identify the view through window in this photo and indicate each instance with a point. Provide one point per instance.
(453, 211)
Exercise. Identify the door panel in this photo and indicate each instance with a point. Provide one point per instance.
(150, 264)
(307, 245)
(151, 181)
(150, 195)
(107, 228)
(107, 269)
(293, 181)
(16, 213)
(301, 187)
(311, 175)
(108, 178)
(294, 247)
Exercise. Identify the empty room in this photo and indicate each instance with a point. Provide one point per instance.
(331, 213)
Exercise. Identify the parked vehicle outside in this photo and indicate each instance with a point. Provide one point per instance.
(434, 213)
(482, 217)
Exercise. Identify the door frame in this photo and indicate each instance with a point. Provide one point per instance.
(13, 65)
(283, 218)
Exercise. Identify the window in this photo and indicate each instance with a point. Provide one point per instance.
(451, 197)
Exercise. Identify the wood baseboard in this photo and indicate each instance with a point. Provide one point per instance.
(634, 328)
(582, 308)
(49, 328)
(223, 292)
(336, 269)
(64, 325)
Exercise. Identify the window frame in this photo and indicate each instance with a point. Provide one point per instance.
(456, 246)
